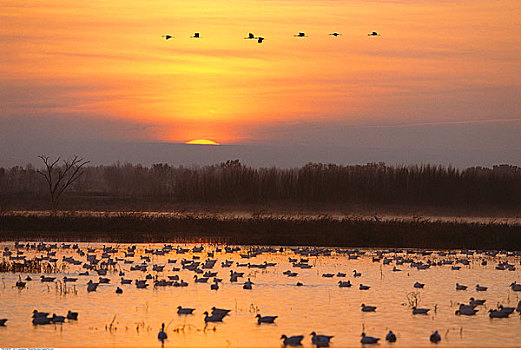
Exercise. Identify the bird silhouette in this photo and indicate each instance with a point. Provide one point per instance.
(300, 35)
(162, 336)
(167, 36)
(196, 36)
(260, 39)
(373, 34)
(335, 34)
(250, 36)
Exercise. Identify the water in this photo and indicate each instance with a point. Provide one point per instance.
(134, 318)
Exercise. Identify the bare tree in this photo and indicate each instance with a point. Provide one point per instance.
(60, 178)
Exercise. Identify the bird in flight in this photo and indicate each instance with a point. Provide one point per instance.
(250, 36)
(373, 34)
(167, 36)
(260, 39)
(300, 35)
(335, 34)
(196, 35)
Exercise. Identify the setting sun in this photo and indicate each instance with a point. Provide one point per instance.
(202, 142)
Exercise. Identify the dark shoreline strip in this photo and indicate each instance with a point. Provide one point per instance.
(323, 231)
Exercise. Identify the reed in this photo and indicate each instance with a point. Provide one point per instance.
(262, 230)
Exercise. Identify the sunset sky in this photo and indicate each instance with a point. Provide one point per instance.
(443, 76)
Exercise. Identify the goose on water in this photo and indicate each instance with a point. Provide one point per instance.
(435, 337)
(320, 340)
(213, 317)
(294, 340)
(460, 287)
(368, 340)
(42, 320)
(162, 334)
(72, 315)
(357, 274)
(476, 302)
(141, 284)
(265, 319)
(37, 314)
(184, 310)
(419, 311)
(91, 286)
(47, 279)
(497, 314)
(418, 285)
(217, 311)
(466, 311)
(518, 308)
(390, 337)
(214, 286)
(508, 310)
(2, 322)
(367, 308)
(344, 284)
(515, 287)
(362, 287)
(200, 280)
(119, 290)
(248, 284)
(480, 288)
(57, 319)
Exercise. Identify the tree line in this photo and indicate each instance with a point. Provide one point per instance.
(234, 183)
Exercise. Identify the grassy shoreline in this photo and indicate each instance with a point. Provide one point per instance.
(262, 230)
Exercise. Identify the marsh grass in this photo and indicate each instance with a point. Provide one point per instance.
(261, 230)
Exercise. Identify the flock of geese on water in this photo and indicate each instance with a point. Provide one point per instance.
(108, 262)
(260, 39)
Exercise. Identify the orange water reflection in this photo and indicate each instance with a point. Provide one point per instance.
(319, 305)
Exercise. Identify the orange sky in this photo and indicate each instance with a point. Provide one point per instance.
(82, 61)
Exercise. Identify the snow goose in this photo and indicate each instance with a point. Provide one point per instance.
(294, 340)
(162, 334)
(72, 315)
(435, 337)
(184, 310)
(460, 287)
(362, 287)
(213, 317)
(320, 340)
(367, 308)
(480, 288)
(390, 337)
(419, 311)
(368, 340)
(265, 319)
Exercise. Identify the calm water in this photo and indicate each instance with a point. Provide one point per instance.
(319, 305)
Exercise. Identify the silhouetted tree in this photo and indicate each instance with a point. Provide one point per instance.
(60, 178)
